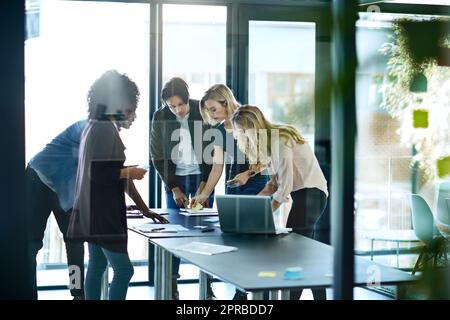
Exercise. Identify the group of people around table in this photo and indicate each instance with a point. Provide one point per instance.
(80, 175)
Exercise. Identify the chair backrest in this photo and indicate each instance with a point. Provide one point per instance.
(422, 219)
(442, 208)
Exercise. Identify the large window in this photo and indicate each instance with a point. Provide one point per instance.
(282, 75)
(385, 171)
(194, 48)
(69, 45)
(194, 45)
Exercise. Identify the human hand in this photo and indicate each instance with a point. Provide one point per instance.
(179, 197)
(199, 199)
(240, 179)
(155, 217)
(132, 173)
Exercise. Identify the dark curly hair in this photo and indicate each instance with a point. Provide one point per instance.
(112, 94)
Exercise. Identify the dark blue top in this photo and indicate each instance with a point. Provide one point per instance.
(56, 164)
(235, 160)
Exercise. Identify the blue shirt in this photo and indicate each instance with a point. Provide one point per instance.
(56, 164)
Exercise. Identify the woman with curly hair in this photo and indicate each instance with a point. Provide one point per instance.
(99, 211)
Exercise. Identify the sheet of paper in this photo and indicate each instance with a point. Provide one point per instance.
(213, 219)
(203, 212)
(205, 248)
(157, 227)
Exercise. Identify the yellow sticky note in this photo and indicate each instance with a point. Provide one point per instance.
(267, 274)
(443, 167)
(197, 207)
(420, 118)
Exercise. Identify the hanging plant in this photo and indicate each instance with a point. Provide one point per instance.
(415, 50)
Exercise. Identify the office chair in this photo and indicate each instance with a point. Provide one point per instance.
(435, 245)
(443, 208)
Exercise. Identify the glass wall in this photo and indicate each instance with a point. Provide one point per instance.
(395, 156)
(70, 44)
(194, 48)
(282, 74)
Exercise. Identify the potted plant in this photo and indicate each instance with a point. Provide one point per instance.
(416, 89)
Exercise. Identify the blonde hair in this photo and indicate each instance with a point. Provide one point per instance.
(257, 144)
(221, 94)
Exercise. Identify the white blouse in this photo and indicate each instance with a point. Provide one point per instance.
(294, 166)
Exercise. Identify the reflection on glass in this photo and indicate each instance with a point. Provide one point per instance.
(281, 75)
(385, 171)
(194, 45)
(70, 44)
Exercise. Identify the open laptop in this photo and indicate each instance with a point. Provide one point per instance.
(247, 214)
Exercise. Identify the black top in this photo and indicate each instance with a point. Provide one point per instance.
(99, 211)
(235, 160)
(164, 124)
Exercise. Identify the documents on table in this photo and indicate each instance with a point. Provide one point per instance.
(203, 212)
(160, 228)
(212, 219)
(205, 248)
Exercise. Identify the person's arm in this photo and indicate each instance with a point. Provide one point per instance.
(159, 155)
(200, 188)
(270, 188)
(213, 178)
(132, 191)
(275, 205)
(243, 177)
(132, 173)
(179, 197)
(284, 174)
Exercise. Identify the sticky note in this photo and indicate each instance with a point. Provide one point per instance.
(419, 83)
(267, 274)
(294, 273)
(420, 118)
(443, 167)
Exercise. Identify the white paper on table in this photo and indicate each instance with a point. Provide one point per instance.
(213, 219)
(205, 248)
(148, 227)
(203, 212)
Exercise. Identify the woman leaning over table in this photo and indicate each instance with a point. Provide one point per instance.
(294, 171)
(217, 106)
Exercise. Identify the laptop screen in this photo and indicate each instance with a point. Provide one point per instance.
(245, 214)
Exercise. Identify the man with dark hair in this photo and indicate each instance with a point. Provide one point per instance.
(177, 150)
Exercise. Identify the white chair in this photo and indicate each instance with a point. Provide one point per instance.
(435, 244)
(443, 208)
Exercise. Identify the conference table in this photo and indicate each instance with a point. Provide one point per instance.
(189, 222)
(260, 262)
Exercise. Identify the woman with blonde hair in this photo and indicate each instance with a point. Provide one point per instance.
(217, 107)
(293, 166)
